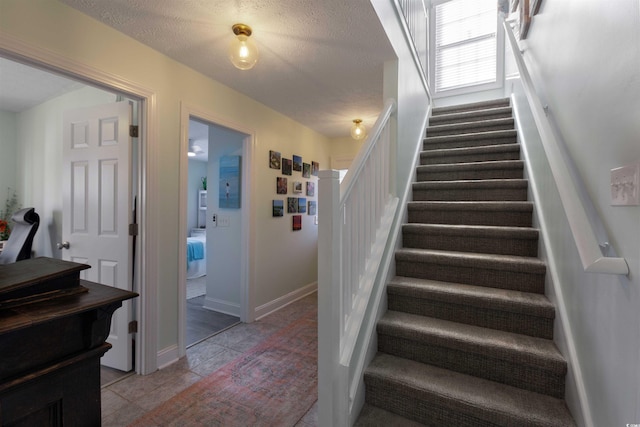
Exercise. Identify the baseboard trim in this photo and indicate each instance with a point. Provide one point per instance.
(167, 356)
(278, 303)
(221, 306)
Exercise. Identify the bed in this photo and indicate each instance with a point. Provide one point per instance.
(196, 256)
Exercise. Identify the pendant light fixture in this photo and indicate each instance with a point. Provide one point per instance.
(358, 131)
(243, 52)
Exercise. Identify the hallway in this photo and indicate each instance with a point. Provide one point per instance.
(125, 401)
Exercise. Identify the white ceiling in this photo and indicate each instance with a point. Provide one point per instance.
(321, 61)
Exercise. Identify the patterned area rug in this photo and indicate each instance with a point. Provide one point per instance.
(273, 384)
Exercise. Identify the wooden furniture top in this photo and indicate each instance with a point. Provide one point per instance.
(79, 297)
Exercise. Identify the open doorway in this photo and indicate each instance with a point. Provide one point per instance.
(34, 132)
(214, 230)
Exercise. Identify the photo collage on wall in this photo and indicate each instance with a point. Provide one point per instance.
(295, 204)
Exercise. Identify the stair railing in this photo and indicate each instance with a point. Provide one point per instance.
(354, 220)
(593, 261)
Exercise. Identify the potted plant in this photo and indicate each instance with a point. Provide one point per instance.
(10, 206)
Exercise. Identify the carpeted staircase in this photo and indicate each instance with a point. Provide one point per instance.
(467, 338)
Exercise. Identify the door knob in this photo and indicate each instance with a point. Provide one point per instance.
(63, 245)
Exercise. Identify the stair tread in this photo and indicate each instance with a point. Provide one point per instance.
(476, 183)
(471, 114)
(465, 151)
(471, 205)
(479, 296)
(494, 103)
(484, 399)
(491, 164)
(464, 126)
(490, 231)
(479, 260)
(488, 135)
(493, 343)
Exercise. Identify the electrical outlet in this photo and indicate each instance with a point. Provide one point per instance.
(214, 220)
(625, 185)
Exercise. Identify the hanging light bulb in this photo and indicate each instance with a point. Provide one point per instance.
(358, 131)
(243, 53)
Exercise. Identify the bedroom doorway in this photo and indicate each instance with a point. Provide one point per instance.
(206, 314)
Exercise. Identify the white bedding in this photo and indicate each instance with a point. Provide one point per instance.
(197, 268)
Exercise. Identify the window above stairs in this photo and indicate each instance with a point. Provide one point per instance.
(467, 42)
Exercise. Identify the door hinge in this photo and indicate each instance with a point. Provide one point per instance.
(133, 131)
(133, 327)
(133, 229)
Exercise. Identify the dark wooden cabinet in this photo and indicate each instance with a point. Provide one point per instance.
(53, 328)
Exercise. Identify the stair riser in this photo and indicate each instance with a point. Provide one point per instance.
(432, 410)
(467, 217)
(506, 372)
(443, 120)
(534, 326)
(461, 129)
(425, 174)
(465, 143)
(438, 160)
(469, 243)
(470, 275)
(471, 195)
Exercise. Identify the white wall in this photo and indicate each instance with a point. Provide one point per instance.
(224, 244)
(197, 169)
(62, 31)
(585, 59)
(8, 148)
(403, 83)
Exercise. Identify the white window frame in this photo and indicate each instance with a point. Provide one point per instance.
(499, 83)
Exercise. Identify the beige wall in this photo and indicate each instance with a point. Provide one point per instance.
(283, 261)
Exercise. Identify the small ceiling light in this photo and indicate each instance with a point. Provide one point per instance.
(243, 53)
(358, 131)
(194, 149)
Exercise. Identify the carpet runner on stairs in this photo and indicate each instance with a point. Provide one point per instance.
(468, 336)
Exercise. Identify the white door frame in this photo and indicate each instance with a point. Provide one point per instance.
(247, 302)
(146, 256)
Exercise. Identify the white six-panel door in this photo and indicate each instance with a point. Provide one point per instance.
(97, 209)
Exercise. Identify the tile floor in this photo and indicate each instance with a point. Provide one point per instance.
(130, 398)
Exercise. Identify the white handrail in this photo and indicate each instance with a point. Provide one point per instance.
(354, 222)
(593, 261)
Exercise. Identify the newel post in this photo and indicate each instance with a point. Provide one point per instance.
(328, 295)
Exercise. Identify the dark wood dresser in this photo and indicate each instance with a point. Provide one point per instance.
(53, 328)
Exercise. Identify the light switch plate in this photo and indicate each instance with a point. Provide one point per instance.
(625, 185)
(224, 221)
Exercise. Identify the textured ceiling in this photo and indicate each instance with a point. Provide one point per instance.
(321, 61)
(22, 87)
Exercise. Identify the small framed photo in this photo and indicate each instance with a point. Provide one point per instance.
(302, 205)
(286, 166)
(292, 205)
(306, 170)
(278, 208)
(274, 159)
(315, 167)
(281, 185)
(297, 222)
(297, 163)
(312, 207)
(297, 187)
(311, 189)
